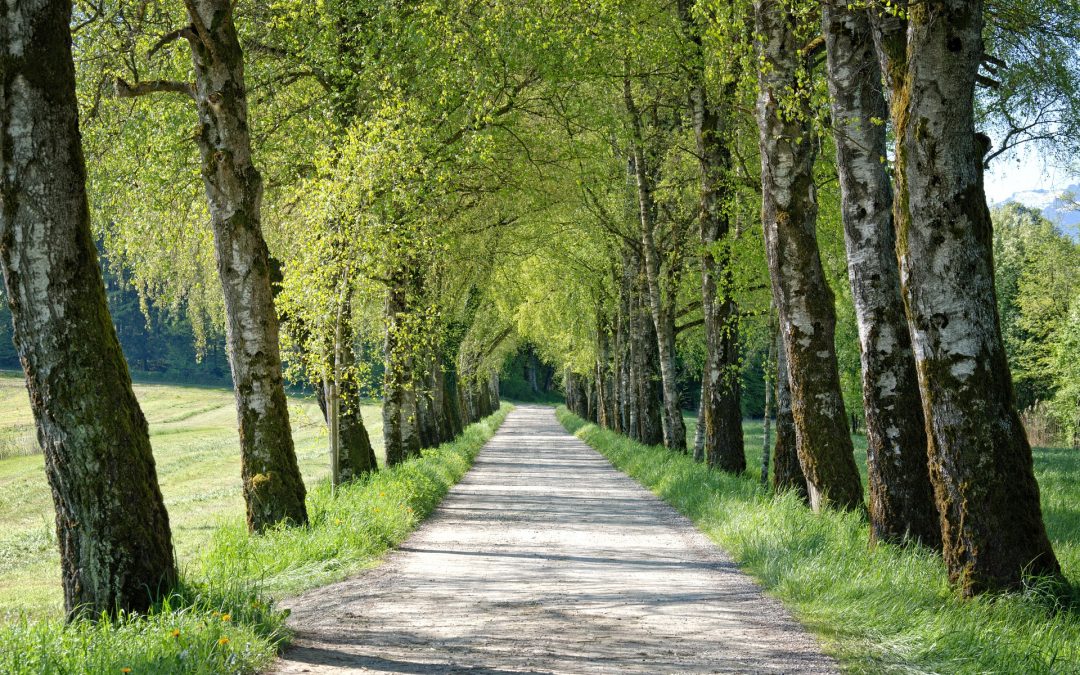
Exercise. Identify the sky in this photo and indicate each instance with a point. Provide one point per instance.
(1024, 171)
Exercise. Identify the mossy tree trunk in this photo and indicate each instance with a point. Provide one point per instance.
(980, 460)
(115, 543)
(802, 296)
(410, 414)
(357, 454)
(604, 390)
(273, 489)
(436, 393)
(720, 420)
(901, 499)
(787, 471)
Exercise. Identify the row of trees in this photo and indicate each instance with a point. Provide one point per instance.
(356, 190)
(883, 99)
(112, 526)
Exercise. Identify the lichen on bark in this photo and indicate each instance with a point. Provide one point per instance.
(115, 541)
(980, 459)
(801, 294)
(901, 499)
(234, 194)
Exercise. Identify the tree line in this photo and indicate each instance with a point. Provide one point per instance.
(405, 193)
(892, 94)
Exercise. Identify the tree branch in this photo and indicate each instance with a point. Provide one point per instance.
(689, 325)
(200, 28)
(125, 90)
(187, 32)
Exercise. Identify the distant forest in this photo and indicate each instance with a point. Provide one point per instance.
(159, 343)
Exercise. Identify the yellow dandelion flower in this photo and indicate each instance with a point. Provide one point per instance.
(176, 632)
(223, 641)
(382, 494)
(125, 669)
(226, 617)
(338, 521)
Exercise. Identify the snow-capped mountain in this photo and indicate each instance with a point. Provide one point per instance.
(1055, 209)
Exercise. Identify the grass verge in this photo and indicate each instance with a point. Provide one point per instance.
(877, 609)
(223, 619)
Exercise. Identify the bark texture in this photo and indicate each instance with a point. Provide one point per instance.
(647, 411)
(901, 498)
(357, 454)
(273, 489)
(662, 312)
(980, 460)
(787, 471)
(720, 420)
(802, 296)
(115, 542)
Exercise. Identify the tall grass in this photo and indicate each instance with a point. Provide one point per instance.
(878, 609)
(223, 619)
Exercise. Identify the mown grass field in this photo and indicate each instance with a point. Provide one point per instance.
(882, 608)
(222, 617)
(193, 432)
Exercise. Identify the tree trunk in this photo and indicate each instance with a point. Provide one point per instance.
(674, 430)
(604, 392)
(901, 499)
(393, 377)
(333, 424)
(357, 451)
(648, 400)
(699, 428)
(410, 416)
(493, 387)
(803, 299)
(787, 471)
(357, 456)
(765, 440)
(273, 489)
(115, 543)
(452, 398)
(631, 326)
(427, 425)
(437, 394)
(618, 416)
(980, 460)
(721, 411)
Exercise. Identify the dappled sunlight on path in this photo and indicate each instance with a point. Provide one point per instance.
(547, 559)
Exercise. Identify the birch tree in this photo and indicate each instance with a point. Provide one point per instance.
(115, 542)
(980, 460)
(273, 489)
(802, 296)
(901, 499)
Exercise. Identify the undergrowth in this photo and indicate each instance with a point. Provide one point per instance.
(222, 618)
(878, 609)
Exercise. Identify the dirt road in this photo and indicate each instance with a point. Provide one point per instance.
(545, 559)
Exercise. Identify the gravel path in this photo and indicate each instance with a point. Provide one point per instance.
(546, 559)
